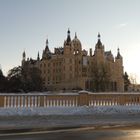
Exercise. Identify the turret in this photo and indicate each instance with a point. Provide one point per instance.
(68, 44)
(99, 43)
(46, 53)
(118, 55)
(68, 37)
(119, 70)
(119, 58)
(99, 51)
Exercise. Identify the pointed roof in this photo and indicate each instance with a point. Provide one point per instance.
(118, 54)
(99, 43)
(76, 41)
(68, 40)
(47, 46)
(24, 54)
(46, 52)
(99, 35)
(47, 42)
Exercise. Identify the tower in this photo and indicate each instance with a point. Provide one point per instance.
(68, 41)
(119, 71)
(99, 51)
(68, 49)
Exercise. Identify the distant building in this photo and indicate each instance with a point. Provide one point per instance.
(134, 88)
(70, 67)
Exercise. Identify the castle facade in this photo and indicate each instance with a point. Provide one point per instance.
(71, 67)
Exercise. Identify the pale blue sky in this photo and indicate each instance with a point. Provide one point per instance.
(25, 25)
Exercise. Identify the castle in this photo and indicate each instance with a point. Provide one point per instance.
(71, 67)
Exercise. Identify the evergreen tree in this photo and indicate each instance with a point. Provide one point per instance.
(126, 81)
(3, 82)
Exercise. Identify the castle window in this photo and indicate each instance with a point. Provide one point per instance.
(70, 76)
(48, 78)
(59, 78)
(70, 68)
(70, 60)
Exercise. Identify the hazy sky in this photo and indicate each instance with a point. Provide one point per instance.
(25, 25)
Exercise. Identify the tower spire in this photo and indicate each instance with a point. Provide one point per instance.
(118, 54)
(99, 43)
(24, 55)
(75, 35)
(68, 37)
(99, 36)
(38, 57)
(47, 42)
(47, 46)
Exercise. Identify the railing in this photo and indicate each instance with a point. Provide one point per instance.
(80, 99)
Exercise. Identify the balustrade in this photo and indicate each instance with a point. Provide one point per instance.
(104, 99)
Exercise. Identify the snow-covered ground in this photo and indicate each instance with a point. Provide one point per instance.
(17, 118)
(83, 110)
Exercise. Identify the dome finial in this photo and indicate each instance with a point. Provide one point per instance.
(47, 42)
(99, 36)
(68, 31)
(118, 50)
(75, 35)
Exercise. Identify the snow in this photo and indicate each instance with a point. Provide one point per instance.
(84, 110)
(69, 93)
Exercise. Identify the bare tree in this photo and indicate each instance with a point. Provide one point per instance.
(101, 77)
(133, 80)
